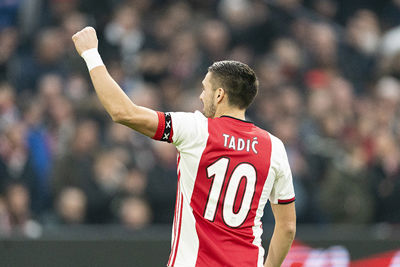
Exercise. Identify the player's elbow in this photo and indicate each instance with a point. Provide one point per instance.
(287, 229)
(128, 119)
(291, 230)
(116, 117)
(126, 114)
(119, 117)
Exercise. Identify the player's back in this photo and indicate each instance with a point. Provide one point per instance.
(228, 188)
(227, 171)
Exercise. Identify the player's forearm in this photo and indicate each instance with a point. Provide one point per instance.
(111, 96)
(118, 105)
(280, 244)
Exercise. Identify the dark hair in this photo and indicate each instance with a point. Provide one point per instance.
(237, 79)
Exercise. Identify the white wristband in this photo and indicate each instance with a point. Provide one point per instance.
(92, 58)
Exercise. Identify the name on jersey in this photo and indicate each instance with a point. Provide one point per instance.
(240, 144)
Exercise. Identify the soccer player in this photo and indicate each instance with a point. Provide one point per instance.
(227, 167)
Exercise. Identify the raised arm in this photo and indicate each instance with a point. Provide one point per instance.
(284, 232)
(112, 97)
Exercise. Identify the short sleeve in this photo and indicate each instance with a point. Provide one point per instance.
(282, 190)
(183, 129)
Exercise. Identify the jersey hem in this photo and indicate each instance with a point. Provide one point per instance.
(286, 201)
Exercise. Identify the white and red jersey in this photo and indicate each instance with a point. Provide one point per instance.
(227, 171)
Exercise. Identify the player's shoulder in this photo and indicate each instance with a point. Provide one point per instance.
(189, 128)
(197, 115)
(276, 140)
(277, 144)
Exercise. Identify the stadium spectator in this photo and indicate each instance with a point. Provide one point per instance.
(70, 208)
(8, 46)
(160, 193)
(135, 213)
(17, 199)
(46, 58)
(81, 153)
(5, 224)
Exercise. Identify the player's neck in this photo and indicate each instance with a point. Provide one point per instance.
(231, 112)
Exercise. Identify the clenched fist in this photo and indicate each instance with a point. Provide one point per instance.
(85, 39)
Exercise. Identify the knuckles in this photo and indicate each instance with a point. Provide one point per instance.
(89, 30)
(85, 31)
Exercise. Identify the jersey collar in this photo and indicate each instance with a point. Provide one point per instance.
(226, 116)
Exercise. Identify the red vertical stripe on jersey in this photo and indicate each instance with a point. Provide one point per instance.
(220, 244)
(179, 231)
(177, 165)
(178, 207)
(175, 226)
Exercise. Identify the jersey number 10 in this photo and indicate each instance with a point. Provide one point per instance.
(217, 172)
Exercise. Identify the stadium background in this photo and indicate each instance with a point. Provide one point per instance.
(83, 191)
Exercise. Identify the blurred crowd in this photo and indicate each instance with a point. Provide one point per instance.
(329, 75)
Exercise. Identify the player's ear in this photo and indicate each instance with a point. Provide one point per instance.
(220, 94)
